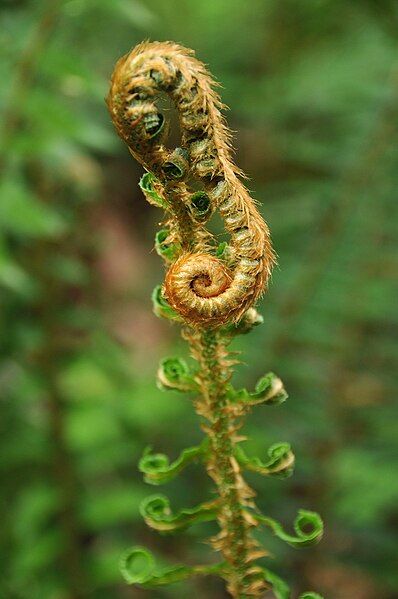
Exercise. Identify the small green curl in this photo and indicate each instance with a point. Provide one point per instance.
(161, 307)
(157, 468)
(157, 513)
(269, 390)
(138, 567)
(175, 374)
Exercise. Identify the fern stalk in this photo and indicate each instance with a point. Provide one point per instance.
(210, 289)
(234, 540)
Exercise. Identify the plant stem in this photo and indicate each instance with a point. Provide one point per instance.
(234, 540)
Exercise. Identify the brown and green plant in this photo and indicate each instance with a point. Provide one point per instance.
(210, 289)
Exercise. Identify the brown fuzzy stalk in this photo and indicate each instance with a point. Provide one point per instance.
(203, 289)
(235, 540)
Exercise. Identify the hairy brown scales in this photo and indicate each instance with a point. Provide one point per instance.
(202, 288)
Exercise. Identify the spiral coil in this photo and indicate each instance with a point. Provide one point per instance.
(204, 289)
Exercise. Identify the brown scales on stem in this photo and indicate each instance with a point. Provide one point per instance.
(234, 541)
(139, 77)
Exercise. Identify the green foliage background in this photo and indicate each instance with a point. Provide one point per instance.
(313, 91)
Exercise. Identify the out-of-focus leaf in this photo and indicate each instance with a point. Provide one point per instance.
(117, 504)
(88, 427)
(14, 277)
(24, 214)
(35, 509)
(366, 486)
(83, 381)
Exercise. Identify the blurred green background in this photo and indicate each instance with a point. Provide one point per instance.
(313, 91)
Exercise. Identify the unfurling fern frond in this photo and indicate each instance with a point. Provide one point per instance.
(211, 289)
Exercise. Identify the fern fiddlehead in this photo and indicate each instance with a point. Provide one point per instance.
(198, 285)
(211, 290)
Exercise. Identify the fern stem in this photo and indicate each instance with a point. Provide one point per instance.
(234, 540)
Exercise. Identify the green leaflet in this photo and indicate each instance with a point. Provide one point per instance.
(269, 389)
(222, 250)
(137, 566)
(303, 520)
(200, 205)
(250, 319)
(157, 468)
(22, 214)
(161, 307)
(281, 589)
(156, 511)
(151, 191)
(279, 586)
(174, 373)
(168, 251)
(225, 253)
(176, 167)
(280, 462)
